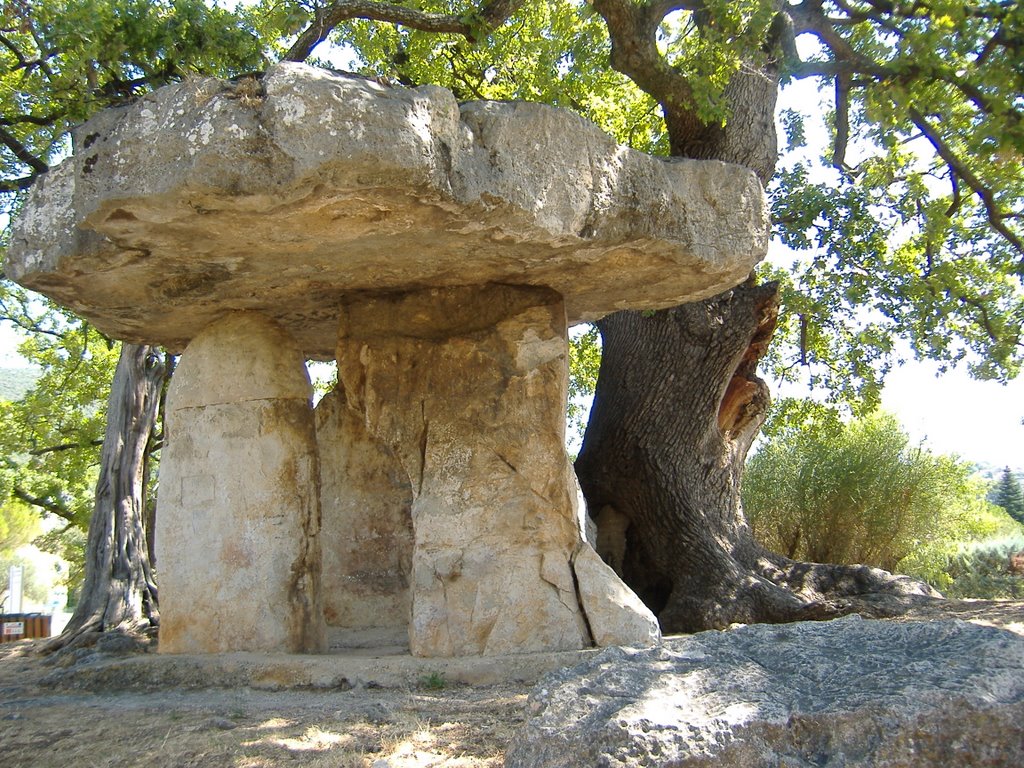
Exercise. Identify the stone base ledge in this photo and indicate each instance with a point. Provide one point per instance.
(343, 670)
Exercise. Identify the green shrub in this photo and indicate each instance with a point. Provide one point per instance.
(984, 572)
(859, 492)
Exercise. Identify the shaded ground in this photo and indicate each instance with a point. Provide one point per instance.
(42, 725)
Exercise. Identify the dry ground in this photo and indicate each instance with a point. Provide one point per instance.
(42, 726)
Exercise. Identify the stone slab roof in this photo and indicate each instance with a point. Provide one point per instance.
(289, 193)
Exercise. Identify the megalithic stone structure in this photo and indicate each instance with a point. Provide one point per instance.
(439, 252)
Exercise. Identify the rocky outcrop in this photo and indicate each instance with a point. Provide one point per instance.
(283, 194)
(844, 693)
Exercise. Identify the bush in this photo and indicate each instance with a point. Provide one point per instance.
(860, 492)
(985, 572)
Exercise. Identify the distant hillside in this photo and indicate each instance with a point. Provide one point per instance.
(15, 382)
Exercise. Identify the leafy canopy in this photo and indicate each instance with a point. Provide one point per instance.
(915, 214)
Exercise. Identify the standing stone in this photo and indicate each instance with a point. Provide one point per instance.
(467, 386)
(237, 541)
(366, 534)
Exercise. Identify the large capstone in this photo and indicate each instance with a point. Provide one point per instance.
(287, 193)
(440, 252)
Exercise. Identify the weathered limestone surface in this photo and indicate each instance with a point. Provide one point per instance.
(285, 194)
(615, 615)
(248, 221)
(851, 692)
(461, 384)
(366, 533)
(238, 552)
(466, 386)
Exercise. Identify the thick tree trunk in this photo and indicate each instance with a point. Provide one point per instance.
(676, 409)
(678, 404)
(119, 590)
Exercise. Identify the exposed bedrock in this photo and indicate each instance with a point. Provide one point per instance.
(850, 692)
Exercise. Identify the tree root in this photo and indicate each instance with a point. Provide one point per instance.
(125, 637)
(775, 590)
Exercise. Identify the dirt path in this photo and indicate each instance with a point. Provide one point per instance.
(242, 728)
(46, 727)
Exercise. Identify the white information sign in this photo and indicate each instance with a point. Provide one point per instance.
(16, 577)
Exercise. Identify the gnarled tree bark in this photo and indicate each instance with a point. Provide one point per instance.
(119, 590)
(678, 404)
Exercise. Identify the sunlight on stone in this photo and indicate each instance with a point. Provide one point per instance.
(1017, 627)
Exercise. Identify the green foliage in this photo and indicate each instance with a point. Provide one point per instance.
(1007, 494)
(19, 525)
(584, 365)
(857, 492)
(551, 52)
(731, 35)
(62, 60)
(433, 682)
(50, 438)
(67, 543)
(916, 224)
(984, 572)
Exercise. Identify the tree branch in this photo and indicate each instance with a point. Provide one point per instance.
(996, 218)
(53, 507)
(470, 25)
(21, 152)
(17, 185)
(40, 120)
(64, 447)
(633, 31)
(842, 82)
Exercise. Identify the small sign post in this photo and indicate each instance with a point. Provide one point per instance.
(16, 577)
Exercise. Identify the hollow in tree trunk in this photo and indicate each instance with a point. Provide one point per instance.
(119, 591)
(677, 406)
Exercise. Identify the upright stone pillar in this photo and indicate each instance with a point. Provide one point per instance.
(366, 531)
(467, 388)
(238, 552)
